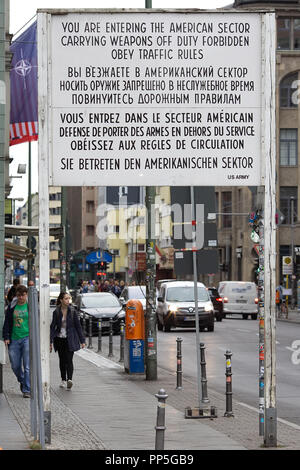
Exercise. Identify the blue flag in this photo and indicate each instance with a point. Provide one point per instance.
(24, 88)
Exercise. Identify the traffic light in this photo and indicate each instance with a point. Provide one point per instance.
(102, 267)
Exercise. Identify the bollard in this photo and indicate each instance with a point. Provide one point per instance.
(122, 329)
(203, 374)
(110, 345)
(90, 345)
(84, 325)
(99, 336)
(160, 420)
(179, 364)
(228, 374)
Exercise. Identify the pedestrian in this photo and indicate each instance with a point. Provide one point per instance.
(116, 289)
(66, 336)
(12, 291)
(16, 337)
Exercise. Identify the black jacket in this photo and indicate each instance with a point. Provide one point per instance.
(74, 332)
(8, 322)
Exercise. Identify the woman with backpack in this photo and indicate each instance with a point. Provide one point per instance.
(66, 336)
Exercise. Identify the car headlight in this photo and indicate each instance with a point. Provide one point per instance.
(172, 308)
(208, 307)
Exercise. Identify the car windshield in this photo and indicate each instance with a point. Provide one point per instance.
(99, 301)
(54, 287)
(137, 292)
(186, 294)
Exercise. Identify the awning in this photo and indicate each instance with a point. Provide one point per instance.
(16, 252)
(24, 231)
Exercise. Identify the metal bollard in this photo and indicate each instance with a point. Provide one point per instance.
(179, 364)
(228, 413)
(84, 325)
(121, 341)
(160, 420)
(99, 336)
(203, 374)
(90, 345)
(110, 344)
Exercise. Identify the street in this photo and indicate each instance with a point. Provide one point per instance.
(241, 337)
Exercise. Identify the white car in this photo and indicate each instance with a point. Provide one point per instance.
(134, 293)
(54, 293)
(239, 298)
(176, 306)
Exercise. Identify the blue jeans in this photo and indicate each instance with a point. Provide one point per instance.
(18, 351)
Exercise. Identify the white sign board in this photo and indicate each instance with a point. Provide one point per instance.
(287, 265)
(160, 98)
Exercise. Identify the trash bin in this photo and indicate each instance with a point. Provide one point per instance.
(134, 348)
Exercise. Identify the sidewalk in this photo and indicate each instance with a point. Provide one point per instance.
(109, 410)
(293, 316)
(105, 410)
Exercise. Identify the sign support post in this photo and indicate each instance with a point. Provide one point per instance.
(44, 218)
(269, 152)
(150, 323)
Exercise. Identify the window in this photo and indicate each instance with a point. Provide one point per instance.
(288, 199)
(90, 206)
(288, 151)
(288, 34)
(226, 207)
(55, 211)
(288, 91)
(90, 230)
(283, 33)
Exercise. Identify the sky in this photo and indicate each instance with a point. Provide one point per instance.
(23, 12)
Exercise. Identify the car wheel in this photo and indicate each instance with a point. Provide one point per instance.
(211, 327)
(254, 317)
(219, 318)
(245, 316)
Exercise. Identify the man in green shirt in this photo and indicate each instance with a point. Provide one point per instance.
(16, 337)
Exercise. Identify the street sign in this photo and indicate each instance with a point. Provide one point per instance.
(287, 265)
(99, 255)
(147, 98)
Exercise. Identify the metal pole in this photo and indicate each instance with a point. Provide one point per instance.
(110, 344)
(292, 250)
(99, 336)
(269, 152)
(228, 413)
(261, 357)
(43, 173)
(203, 375)
(121, 341)
(29, 217)
(179, 364)
(194, 250)
(150, 320)
(90, 345)
(33, 365)
(44, 417)
(160, 420)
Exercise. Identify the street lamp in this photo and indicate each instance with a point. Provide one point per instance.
(292, 208)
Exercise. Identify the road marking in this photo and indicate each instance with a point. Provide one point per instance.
(97, 359)
(283, 421)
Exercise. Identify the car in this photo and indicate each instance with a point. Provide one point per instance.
(159, 283)
(102, 306)
(217, 303)
(134, 293)
(239, 298)
(54, 293)
(176, 306)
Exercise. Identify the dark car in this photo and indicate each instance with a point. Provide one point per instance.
(100, 306)
(217, 303)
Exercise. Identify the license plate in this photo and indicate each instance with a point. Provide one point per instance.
(105, 324)
(241, 301)
(192, 317)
